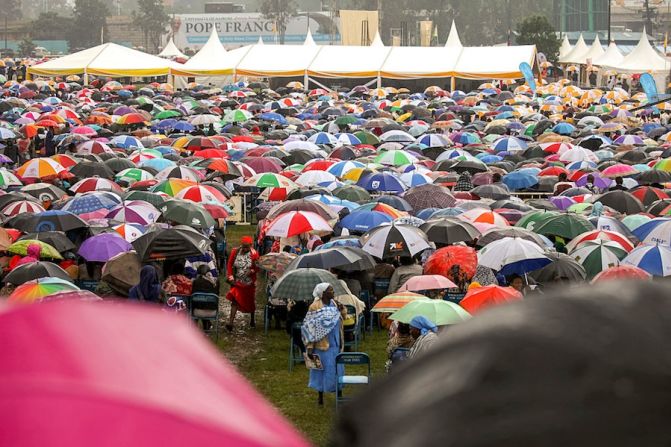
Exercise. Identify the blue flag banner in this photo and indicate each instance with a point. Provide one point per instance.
(528, 75)
(649, 87)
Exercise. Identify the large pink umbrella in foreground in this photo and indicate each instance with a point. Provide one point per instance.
(70, 377)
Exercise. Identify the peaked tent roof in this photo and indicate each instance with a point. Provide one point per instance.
(453, 40)
(171, 50)
(579, 50)
(427, 62)
(565, 48)
(494, 62)
(212, 59)
(595, 51)
(611, 57)
(643, 58)
(279, 60)
(108, 59)
(377, 40)
(349, 61)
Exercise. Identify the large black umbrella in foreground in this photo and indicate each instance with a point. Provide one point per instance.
(170, 243)
(34, 270)
(56, 239)
(342, 258)
(567, 369)
(52, 220)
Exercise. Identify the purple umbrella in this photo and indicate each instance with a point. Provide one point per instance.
(103, 247)
(599, 182)
(562, 202)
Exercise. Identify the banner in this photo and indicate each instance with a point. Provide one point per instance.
(425, 32)
(358, 27)
(238, 29)
(649, 87)
(528, 73)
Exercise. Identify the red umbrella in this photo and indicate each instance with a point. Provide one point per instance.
(647, 194)
(445, 259)
(262, 164)
(319, 165)
(211, 153)
(621, 272)
(136, 390)
(480, 298)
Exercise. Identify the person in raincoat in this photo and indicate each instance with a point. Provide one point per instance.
(322, 333)
(149, 288)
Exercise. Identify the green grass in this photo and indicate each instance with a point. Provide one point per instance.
(263, 360)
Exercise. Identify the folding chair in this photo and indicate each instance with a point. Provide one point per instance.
(398, 356)
(372, 316)
(352, 331)
(269, 309)
(350, 359)
(295, 351)
(88, 284)
(201, 309)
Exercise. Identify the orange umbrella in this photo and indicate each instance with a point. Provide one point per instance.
(395, 301)
(480, 298)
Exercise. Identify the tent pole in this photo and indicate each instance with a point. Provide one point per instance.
(379, 81)
(453, 83)
(86, 77)
(306, 80)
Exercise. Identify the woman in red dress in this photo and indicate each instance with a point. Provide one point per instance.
(241, 274)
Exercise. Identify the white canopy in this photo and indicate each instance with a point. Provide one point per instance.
(279, 60)
(107, 59)
(171, 51)
(565, 48)
(611, 57)
(595, 51)
(494, 62)
(420, 62)
(577, 53)
(643, 58)
(212, 59)
(349, 61)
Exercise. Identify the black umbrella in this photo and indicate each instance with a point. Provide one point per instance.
(342, 258)
(171, 243)
(429, 196)
(42, 191)
(495, 192)
(447, 230)
(512, 205)
(34, 270)
(542, 204)
(499, 233)
(394, 201)
(563, 268)
(56, 239)
(621, 201)
(86, 169)
(119, 164)
(305, 192)
(52, 220)
(477, 371)
(654, 176)
(352, 193)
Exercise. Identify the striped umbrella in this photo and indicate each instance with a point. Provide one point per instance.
(132, 175)
(202, 194)
(22, 206)
(395, 301)
(601, 235)
(479, 215)
(294, 223)
(37, 289)
(95, 184)
(179, 172)
(655, 231)
(395, 158)
(437, 311)
(172, 186)
(129, 232)
(654, 259)
(91, 201)
(270, 180)
(135, 211)
(598, 255)
(40, 168)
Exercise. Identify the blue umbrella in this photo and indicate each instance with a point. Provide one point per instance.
(509, 144)
(564, 129)
(488, 158)
(165, 150)
(519, 180)
(382, 182)
(183, 126)
(426, 213)
(88, 203)
(157, 163)
(346, 242)
(272, 116)
(447, 212)
(364, 220)
(654, 259)
(166, 124)
(334, 201)
(126, 142)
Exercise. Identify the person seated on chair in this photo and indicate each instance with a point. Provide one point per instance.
(425, 334)
(149, 288)
(401, 339)
(176, 283)
(204, 283)
(296, 311)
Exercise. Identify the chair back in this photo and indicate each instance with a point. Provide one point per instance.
(399, 354)
(353, 358)
(204, 298)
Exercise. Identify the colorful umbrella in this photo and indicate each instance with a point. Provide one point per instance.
(654, 259)
(598, 255)
(439, 312)
(37, 289)
(426, 282)
(481, 298)
(103, 247)
(395, 301)
(458, 263)
(622, 272)
(294, 223)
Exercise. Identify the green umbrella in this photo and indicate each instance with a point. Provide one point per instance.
(535, 218)
(167, 114)
(345, 120)
(438, 311)
(133, 175)
(352, 193)
(566, 225)
(598, 255)
(237, 116)
(187, 213)
(367, 137)
(299, 284)
(150, 197)
(580, 208)
(46, 250)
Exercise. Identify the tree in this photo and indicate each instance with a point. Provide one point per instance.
(153, 21)
(26, 47)
(50, 26)
(10, 10)
(279, 11)
(536, 30)
(88, 24)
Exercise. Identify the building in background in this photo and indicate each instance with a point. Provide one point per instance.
(580, 15)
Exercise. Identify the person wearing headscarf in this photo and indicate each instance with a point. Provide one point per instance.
(464, 182)
(149, 288)
(425, 334)
(33, 252)
(241, 274)
(322, 333)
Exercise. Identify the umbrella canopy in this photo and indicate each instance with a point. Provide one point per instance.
(621, 201)
(293, 223)
(481, 298)
(35, 270)
(187, 213)
(276, 263)
(103, 247)
(655, 231)
(56, 239)
(37, 289)
(341, 258)
(510, 255)
(654, 259)
(21, 248)
(429, 196)
(170, 243)
(394, 240)
(395, 301)
(562, 268)
(458, 263)
(96, 378)
(52, 220)
(427, 282)
(299, 284)
(440, 312)
(598, 255)
(622, 272)
(566, 225)
(448, 231)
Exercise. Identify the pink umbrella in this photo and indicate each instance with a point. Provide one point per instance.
(619, 170)
(130, 389)
(427, 282)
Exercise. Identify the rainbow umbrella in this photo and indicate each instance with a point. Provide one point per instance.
(663, 165)
(172, 186)
(39, 288)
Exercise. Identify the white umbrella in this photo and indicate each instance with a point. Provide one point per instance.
(393, 240)
(294, 223)
(526, 255)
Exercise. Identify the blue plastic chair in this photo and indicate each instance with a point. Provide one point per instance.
(295, 352)
(350, 359)
(200, 309)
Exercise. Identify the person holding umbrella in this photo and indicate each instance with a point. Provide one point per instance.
(322, 333)
(425, 334)
(241, 274)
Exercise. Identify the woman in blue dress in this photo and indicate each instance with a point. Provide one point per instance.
(323, 335)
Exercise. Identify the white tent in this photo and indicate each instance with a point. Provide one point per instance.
(595, 51)
(643, 58)
(453, 40)
(212, 59)
(108, 59)
(565, 48)
(171, 51)
(577, 53)
(494, 62)
(278, 60)
(611, 57)
(420, 62)
(350, 61)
